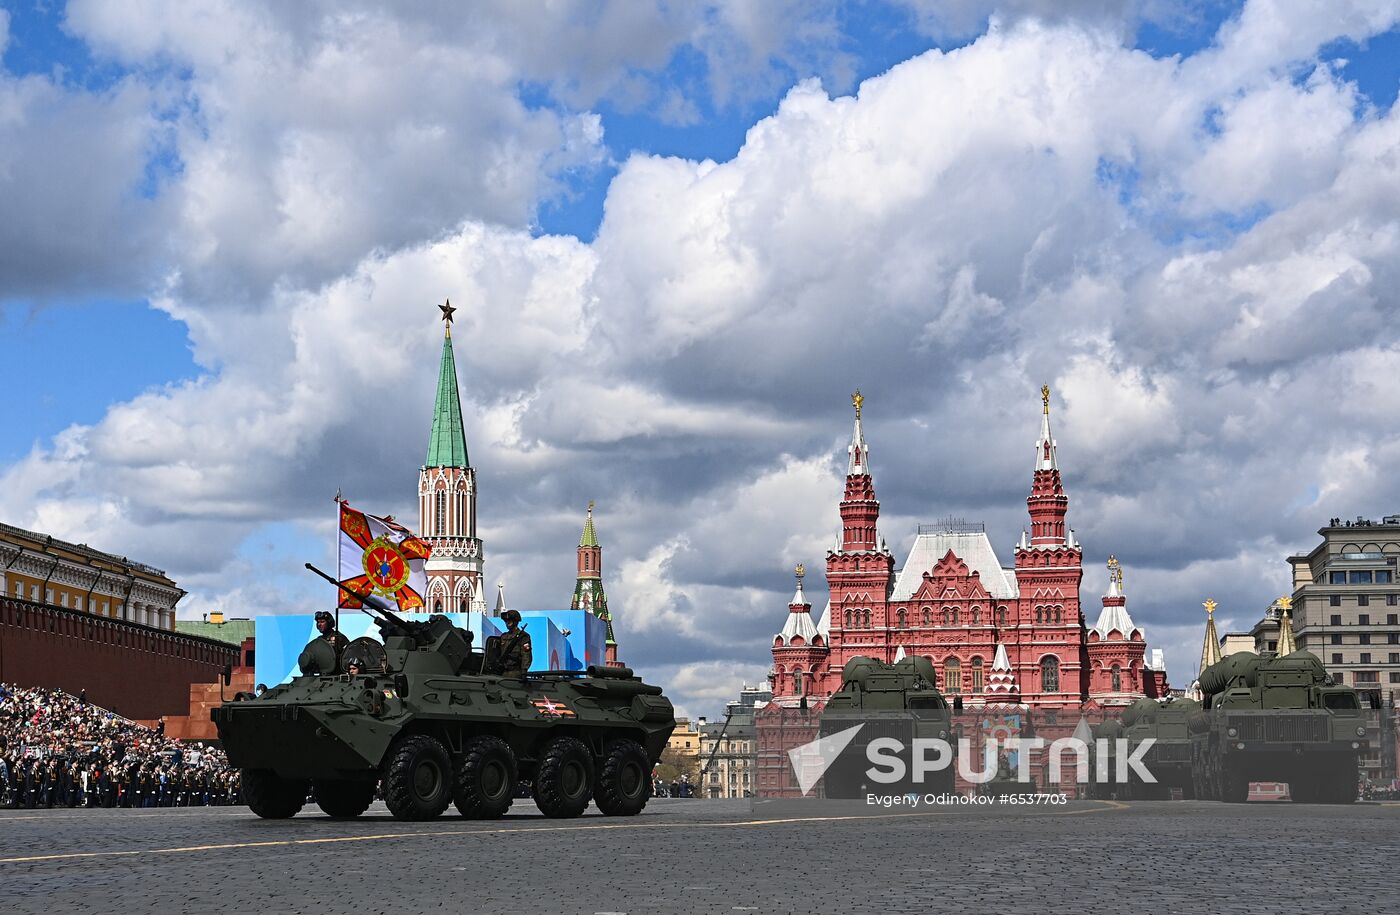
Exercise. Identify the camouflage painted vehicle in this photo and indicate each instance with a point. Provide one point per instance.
(419, 713)
(898, 700)
(1110, 730)
(1276, 719)
(1169, 756)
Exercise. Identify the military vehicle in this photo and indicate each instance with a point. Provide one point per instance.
(1169, 756)
(1106, 735)
(1276, 719)
(422, 712)
(898, 700)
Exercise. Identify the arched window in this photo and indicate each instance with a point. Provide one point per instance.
(976, 616)
(955, 616)
(903, 621)
(1117, 679)
(797, 681)
(440, 512)
(462, 605)
(944, 616)
(1058, 611)
(952, 676)
(867, 619)
(1050, 675)
(925, 616)
(848, 617)
(977, 675)
(1038, 614)
(437, 606)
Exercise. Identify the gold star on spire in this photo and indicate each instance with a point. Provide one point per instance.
(447, 310)
(1045, 397)
(856, 400)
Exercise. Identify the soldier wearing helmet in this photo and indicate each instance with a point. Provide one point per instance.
(325, 624)
(515, 655)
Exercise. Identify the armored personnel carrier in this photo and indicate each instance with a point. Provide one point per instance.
(898, 700)
(421, 712)
(1276, 719)
(1169, 756)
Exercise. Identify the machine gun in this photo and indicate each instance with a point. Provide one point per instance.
(389, 622)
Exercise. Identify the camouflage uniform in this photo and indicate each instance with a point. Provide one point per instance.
(516, 655)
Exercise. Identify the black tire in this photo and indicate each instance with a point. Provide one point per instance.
(1234, 785)
(486, 779)
(564, 778)
(418, 778)
(272, 797)
(624, 782)
(343, 798)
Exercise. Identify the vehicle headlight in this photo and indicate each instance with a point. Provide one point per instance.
(1232, 732)
(1239, 746)
(1360, 731)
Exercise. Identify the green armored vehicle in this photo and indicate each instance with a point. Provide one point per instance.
(898, 700)
(420, 713)
(1276, 719)
(1169, 756)
(1106, 735)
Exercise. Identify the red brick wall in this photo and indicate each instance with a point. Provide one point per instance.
(135, 670)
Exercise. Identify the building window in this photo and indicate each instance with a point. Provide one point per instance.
(848, 617)
(1394, 677)
(1392, 600)
(1365, 638)
(955, 616)
(977, 675)
(1334, 600)
(462, 605)
(1365, 658)
(952, 676)
(867, 619)
(1050, 675)
(437, 606)
(1336, 578)
(1393, 638)
(1335, 638)
(1336, 619)
(1336, 658)
(439, 511)
(797, 681)
(1368, 676)
(1394, 657)
(1117, 673)
(903, 621)
(1358, 578)
(1363, 619)
(1384, 576)
(925, 616)
(1362, 600)
(1271, 645)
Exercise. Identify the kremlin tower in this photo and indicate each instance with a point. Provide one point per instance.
(588, 590)
(447, 498)
(1117, 650)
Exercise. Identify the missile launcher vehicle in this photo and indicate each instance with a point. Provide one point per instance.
(1169, 756)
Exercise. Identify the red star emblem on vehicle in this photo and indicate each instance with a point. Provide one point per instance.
(550, 707)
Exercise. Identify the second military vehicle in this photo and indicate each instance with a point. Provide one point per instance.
(1169, 756)
(896, 700)
(423, 713)
(1276, 719)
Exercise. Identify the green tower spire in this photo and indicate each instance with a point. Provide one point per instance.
(447, 445)
(590, 536)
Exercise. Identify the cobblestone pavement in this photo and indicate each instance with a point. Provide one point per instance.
(687, 856)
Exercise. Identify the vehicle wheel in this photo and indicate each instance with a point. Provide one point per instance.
(418, 778)
(624, 782)
(271, 796)
(1234, 786)
(563, 778)
(343, 798)
(486, 779)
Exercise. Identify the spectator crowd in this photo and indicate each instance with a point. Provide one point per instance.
(57, 750)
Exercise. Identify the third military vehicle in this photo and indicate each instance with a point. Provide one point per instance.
(896, 700)
(1276, 719)
(424, 713)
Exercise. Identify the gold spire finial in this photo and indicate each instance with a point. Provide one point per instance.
(801, 571)
(856, 400)
(1045, 397)
(447, 310)
(590, 506)
(1210, 606)
(1285, 603)
(1115, 569)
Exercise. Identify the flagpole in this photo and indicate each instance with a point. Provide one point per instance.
(335, 553)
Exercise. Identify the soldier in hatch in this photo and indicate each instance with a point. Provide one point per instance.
(325, 624)
(515, 655)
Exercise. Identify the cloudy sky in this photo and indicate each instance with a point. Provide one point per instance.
(679, 236)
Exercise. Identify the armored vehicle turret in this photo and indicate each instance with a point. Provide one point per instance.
(898, 700)
(423, 712)
(1276, 719)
